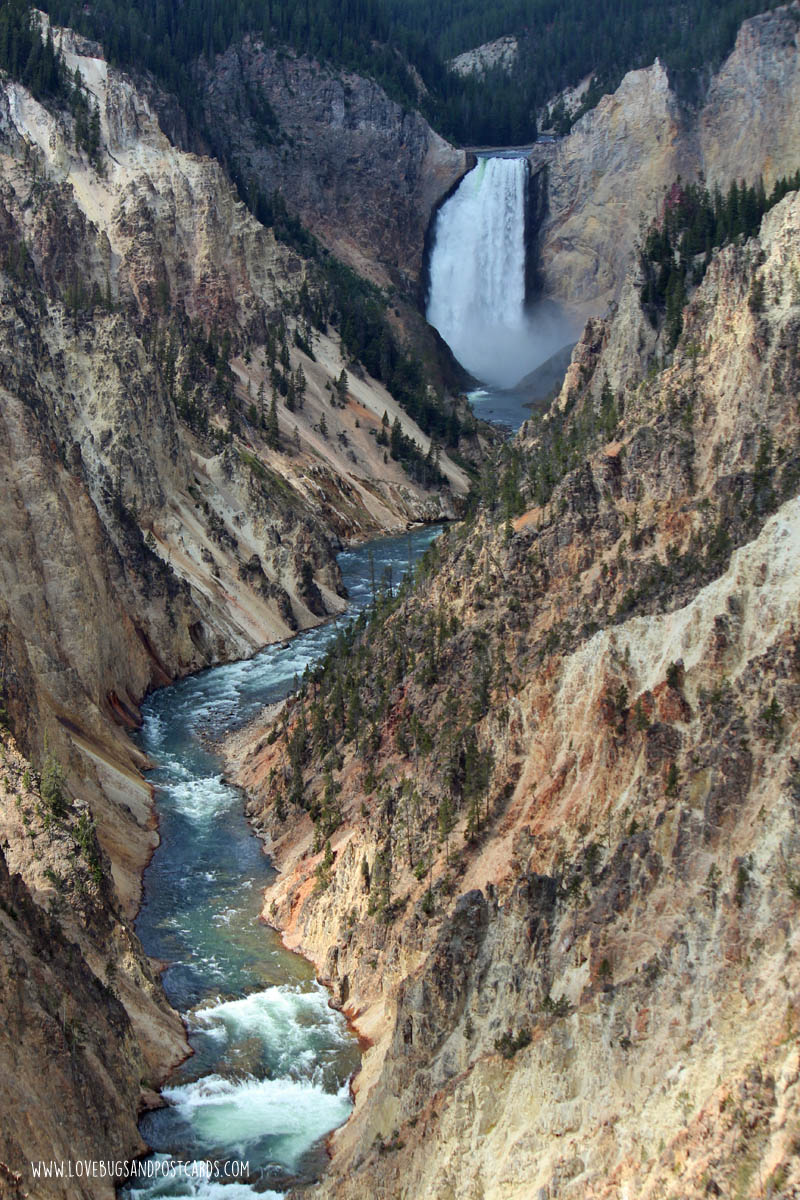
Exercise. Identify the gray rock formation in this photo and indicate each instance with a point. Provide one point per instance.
(361, 172)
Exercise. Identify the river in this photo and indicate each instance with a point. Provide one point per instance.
(269, 1077)
(508, 408)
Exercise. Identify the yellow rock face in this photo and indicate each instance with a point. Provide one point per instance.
(596, 992)
(615, 166)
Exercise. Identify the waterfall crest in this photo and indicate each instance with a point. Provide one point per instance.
(477, 273)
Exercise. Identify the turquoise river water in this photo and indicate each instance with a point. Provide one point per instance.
(269, 1077)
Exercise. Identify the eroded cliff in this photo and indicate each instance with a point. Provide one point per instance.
(537, 821)
(125, 416)
(362, 173)
(184, 445)
(615, 166)
(70, 1060)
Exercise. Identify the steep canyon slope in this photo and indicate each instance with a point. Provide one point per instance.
(184, 445)
(72, 1063)
(537, 820)
(144, 312)
(343, 154)
(615, 166)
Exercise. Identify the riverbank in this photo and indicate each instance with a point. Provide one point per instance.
(272, 1063)
(298, 862)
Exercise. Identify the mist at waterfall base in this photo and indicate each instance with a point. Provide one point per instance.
(269, 1077)
(477, 278)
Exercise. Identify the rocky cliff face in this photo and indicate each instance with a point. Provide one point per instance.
(500, 53)
(158, 513)
(361, 172)
(560, 791)
(70, 1063)
(608, 173)
(747, 125)
(613, 169)
(108, 277)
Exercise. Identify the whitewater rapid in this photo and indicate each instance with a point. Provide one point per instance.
(269, 1077)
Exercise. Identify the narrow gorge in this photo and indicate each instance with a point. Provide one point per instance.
(399, 627)
(271, 1062)
(181, 467)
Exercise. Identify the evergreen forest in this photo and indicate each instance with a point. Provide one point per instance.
(399, 43)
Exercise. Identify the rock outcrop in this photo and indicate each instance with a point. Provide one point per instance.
(70, 1063)
(360, 171)
(182, 454)
(502, 53)
(613, 169)
(560, 790)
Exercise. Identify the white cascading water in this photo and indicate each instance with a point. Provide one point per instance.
(477, 274)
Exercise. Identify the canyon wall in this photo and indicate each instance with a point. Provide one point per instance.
(85, 1022)
(155, 522)
(613, 169)
(137, 549)
(344, 156)
(113, 276)
(160, 512)
(361, 172)
(538, 824)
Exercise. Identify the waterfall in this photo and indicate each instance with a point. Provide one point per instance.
(477, 273)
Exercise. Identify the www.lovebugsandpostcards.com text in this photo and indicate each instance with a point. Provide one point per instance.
(147, 1168)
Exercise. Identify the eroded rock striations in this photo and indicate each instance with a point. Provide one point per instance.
(182, 453)
(537, 821)
(71, 1061)
(614, 168)
(112, 429)
(361, 172)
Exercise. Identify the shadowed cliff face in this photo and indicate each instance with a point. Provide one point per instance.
(361, 172)
(563, 901)
(614, 167)
(70, 1064)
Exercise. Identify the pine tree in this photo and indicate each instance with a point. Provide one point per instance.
(676, 298)
(273, 431)
(446, 823)
(300, 385)
(396, 441)
(93, 136)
